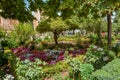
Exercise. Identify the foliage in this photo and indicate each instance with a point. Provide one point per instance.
(24, 32)
(20, 35)
(56, 26)
(116, 22)
(52, 70)
(98, 56)
(73, 22)
(116, 47)
(1, 73)
(26, 70)
(52, 25)
(1, 48)
(79, 41)
(58, 77)
(12, 40)
(37, 40)
(3, 61)
(111, 71)
(50, 56)
(79, 70)
(93, 37)
(2, 33)
(3, 58)
(15, 10)
(48, 69)
(102, 75)
(2, 36)
(117, 36)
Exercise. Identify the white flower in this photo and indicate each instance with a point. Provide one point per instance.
(9, 77)
(102, 53)
(94, 47)
(105, 58)
(100, 49)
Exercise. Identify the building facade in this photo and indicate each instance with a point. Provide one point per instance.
(8, 24)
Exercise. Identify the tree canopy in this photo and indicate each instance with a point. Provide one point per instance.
(15, 10)
(54, 25)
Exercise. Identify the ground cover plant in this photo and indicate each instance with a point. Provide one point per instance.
(111, 71)
(50, 56)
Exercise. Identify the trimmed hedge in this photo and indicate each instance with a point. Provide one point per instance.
(111, 71)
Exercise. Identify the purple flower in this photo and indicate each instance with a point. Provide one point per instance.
(52, 62)
(60, 58)
(32, 59)
(22, 58)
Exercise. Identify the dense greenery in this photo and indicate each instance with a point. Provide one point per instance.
(109, 72)
(56, 26)
(15, 10)
(20, 36)
(88, 35)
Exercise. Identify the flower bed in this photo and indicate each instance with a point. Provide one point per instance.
(49, 56)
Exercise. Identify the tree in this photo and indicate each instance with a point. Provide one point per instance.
(55, 25)
(15, 10)
(101, 8)
(73, 22)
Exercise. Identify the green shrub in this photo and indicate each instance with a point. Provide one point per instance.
(101, 75)
(98, 56)
(54, 69)
(38, 40)
(116, 47)
(2, 73)
(26, 70)
(3, 57)
(58, 77)
(93, 37)
(12, 40)
(2, 36)
(111, 71)
(20, 35)
(79, 70)
(24, 32)
(118, 36)
(78, 41)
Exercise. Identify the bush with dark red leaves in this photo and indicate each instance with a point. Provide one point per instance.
(49, 56)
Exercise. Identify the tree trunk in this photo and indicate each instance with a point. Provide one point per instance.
(55, 38)
(109, 26)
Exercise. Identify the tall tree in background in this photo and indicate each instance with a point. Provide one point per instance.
(101, 8)
(15, 9)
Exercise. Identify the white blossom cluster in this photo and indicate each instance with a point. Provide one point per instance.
(8, 77)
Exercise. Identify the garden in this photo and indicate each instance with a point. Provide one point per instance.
(74, 40)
